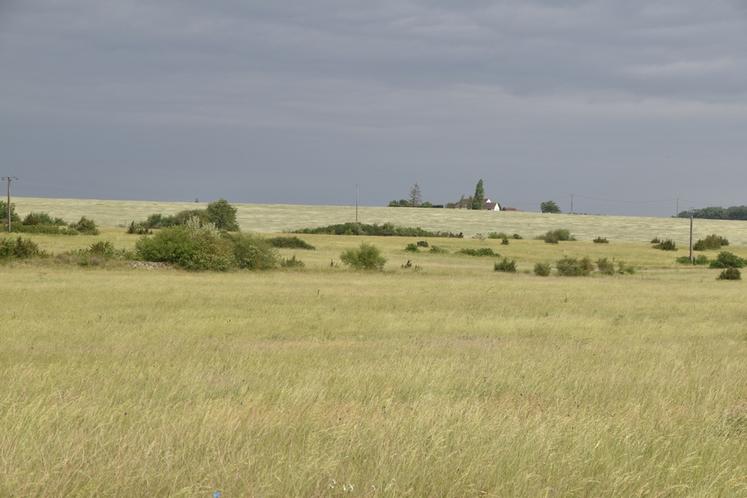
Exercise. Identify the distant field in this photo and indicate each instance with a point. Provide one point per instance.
(446, 380)
(280, 217)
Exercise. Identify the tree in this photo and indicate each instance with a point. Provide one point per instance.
(415, 197)
(478, 200)
(222, 215)
(549, 207)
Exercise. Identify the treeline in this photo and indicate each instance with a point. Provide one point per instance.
(717, 213)
(41, 222)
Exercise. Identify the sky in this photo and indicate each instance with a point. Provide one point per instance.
(628, 105)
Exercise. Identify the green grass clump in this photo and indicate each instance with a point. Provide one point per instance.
(290, 243)
(574, 267)
(542, 269)
(292, 262)
(605, 266)
(666, 245)
(506, 265)
(411, 247)
(438, 250)
(700, 259)
(364, 257)
(422, 243)
(481, 251)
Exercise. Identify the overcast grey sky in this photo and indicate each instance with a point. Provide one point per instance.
(297, 101)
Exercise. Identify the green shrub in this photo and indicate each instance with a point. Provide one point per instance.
(497, 235)
(656, 240)
(387, 229)
(45, 229)
(710, 242)
(102, 248)
(223, 215)
(572, 267)
(506, 265)
(558, 235)
(252, 252)
(666, 245)
(18, 248)
(423, 243)
(42, 218)
(482, 251)
(606, 266)
(438, 250)
(365, 257)
(411, 248)
(188, 247)
(601, 240)
(4, 213)
(292, 262)
(700, 259)
(516, 236)
(85, 226)
(290, 243)
(138, 229)
(622, 268)
(726, 259)
(730, 274)
(504, 242)
(542, 269)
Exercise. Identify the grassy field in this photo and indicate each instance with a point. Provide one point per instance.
(453, 380)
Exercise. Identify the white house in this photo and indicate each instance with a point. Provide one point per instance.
(492, 206)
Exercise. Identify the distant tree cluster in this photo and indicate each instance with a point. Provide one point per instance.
(220, 213)
(717, 213)
(415, 199)
(549, 207)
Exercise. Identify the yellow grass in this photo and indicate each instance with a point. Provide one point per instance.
(451, 381)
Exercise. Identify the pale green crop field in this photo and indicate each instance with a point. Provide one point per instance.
(453, 380)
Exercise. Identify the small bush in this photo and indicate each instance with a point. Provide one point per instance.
(138, 229)
(555, 236)
(516, 236)
(710, 242)
(102, 248)
(423, 243)
(601, 240)
(572, 267)
(700, 259)
(656, 240)
(726, 259)
(542, 269)
(622, 268)
(18, 248)
(292, 262)
(504, 242)
(192, 248)
(411, 248)
(497, 235)
(606, 266)
(45, 229)
(730, 274)
(42, 218)
(666, 245)
(290, 243)
(85, 226)
(506, 265)
(438, 250)
(365, 257)
(482, 251)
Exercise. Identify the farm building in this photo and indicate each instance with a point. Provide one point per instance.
(492, 206)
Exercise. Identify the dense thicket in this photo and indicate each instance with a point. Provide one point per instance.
(219, 213)
(387, 229)
(717, 213)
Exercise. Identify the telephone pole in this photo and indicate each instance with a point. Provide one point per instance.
(9, 180)
(572, 203)
(356, 203)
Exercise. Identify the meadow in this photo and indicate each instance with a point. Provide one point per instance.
(446, 380)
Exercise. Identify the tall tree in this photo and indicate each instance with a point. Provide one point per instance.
(478, 200)
(415, 197)
(549, 207)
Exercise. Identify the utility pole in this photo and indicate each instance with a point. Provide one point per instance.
(677, 207)
(356, 203)
(9, 180)
(572, 203)
(691, 238)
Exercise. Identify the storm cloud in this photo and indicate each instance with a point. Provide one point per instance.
(629, 105)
